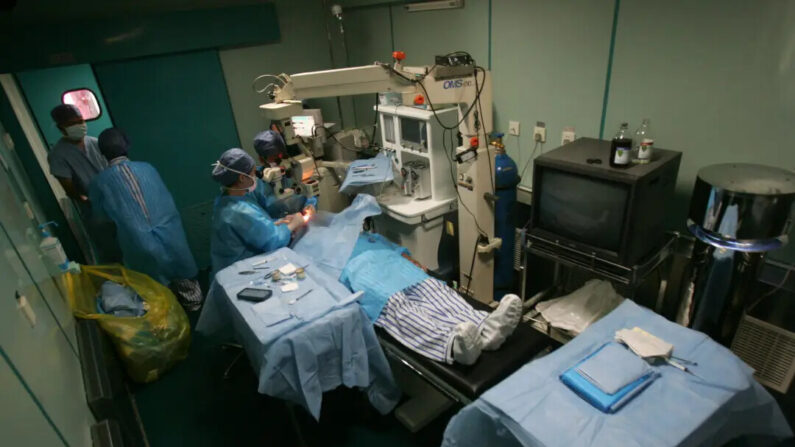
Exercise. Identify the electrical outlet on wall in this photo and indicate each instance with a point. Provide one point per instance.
(540, 132)
(568, 135)
(513, 128)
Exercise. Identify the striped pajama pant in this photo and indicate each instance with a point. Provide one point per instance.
(423, 317)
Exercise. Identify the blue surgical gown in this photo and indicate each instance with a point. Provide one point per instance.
(276, 208)
(150, 233)
(242, 229)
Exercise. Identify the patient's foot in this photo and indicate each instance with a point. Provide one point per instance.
(466, 343)
(499, 325)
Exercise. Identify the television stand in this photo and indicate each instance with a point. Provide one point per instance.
(629, 276)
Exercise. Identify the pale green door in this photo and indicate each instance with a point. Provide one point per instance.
(41, 353)
(21, 217)
(21, 421)
(44, 356)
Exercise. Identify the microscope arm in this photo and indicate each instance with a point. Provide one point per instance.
(342, 82)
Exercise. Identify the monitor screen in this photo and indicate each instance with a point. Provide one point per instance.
(304, 126)
(413, 131)
(580, 208)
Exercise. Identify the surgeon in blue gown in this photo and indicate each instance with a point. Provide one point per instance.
(151, 237)
(271, 149)
(241, 227)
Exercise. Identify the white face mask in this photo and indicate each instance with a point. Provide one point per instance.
(76, 132)
(253, 184)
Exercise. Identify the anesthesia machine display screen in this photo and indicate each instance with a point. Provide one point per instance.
(413, 133)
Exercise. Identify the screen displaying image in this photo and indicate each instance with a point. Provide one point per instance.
(304, 126)
(582, 209)
(412, 131)
(389, 128)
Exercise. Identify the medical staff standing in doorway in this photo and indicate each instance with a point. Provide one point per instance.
(271, 150)
(241, 227)
(132, 194)
(74, 160)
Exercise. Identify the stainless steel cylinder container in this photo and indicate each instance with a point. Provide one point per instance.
(737, 212)
(742, 207)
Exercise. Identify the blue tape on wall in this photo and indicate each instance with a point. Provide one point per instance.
(609, 69)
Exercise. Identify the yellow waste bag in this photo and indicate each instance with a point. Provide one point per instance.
(148, 345)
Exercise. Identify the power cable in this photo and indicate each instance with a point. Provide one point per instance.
(532, 155)
(375, 122)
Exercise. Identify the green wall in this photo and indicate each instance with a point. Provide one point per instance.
(548, 63)
(303, 47)
(717, 78)
(548, 59)
(100, 33)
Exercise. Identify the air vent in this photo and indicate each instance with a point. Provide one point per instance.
(769, 350)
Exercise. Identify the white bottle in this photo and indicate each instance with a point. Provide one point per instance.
(644, 143)
(26, 309)
(52, 248)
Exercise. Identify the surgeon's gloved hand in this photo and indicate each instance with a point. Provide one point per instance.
(293, 221)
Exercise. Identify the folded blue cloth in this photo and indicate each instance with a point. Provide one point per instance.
(368, 172)
(612, 368)
(609, 378)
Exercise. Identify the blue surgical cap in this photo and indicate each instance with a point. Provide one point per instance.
(269, 144)
(65, 112)
(236, 159)
(113, 143)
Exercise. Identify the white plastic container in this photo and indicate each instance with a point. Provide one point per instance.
(52, 248)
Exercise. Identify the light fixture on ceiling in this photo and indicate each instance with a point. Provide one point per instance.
(434, 5)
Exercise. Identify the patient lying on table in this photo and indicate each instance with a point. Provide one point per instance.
(421, 312)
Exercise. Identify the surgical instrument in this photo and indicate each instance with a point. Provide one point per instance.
(294, 300)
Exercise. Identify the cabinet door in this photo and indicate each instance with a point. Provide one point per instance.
(20, 222)
(21, 421)
(41, 353)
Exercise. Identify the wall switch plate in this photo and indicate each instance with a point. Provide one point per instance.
(540, 132)
(513, 128)
(568, 135)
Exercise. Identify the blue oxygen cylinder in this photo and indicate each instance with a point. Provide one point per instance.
(505, 181)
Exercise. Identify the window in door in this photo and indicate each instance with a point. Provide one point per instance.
(85, 100)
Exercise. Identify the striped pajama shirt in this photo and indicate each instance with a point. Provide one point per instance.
(422, 317)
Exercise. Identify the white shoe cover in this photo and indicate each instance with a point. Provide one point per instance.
(500, 324)
(466, 343)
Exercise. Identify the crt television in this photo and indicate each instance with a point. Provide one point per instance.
(581, 202)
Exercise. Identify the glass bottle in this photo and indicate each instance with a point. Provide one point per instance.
(644, 143)
(621, 147)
